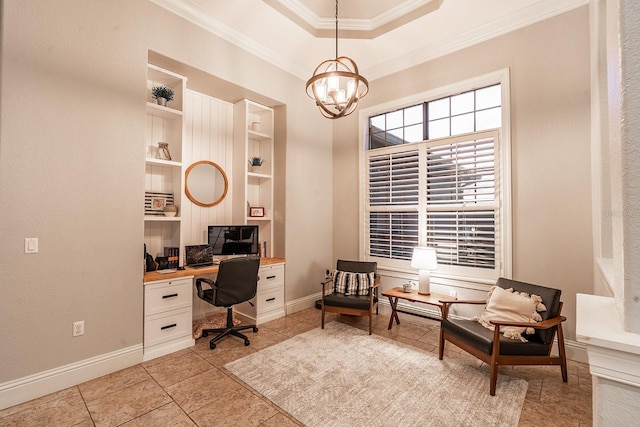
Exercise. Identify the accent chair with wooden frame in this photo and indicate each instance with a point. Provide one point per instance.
(334, 301)
(494, 349)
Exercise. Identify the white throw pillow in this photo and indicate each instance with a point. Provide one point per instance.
(346, 282)
(509, 306)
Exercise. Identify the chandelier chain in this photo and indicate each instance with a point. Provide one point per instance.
(336, 28)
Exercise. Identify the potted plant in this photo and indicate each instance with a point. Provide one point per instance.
(255, 163)
(162, 94)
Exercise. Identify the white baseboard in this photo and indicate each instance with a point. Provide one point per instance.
(40, 384)
(303, 303)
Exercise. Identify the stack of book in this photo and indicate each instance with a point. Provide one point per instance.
(173, 255)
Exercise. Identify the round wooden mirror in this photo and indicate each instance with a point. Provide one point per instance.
(206, 183)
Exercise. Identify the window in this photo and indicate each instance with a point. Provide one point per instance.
(470, 111)
(436, 175)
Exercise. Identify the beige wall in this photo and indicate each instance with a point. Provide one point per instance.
(72, 171)
(550, 122)
(71, 174)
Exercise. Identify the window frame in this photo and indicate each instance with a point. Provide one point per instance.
(503, 260)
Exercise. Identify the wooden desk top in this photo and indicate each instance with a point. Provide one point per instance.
(414, 296)
(152, 276)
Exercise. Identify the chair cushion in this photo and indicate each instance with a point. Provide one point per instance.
(346, 282)
(511, 306)
(352, 301)
(480, 337)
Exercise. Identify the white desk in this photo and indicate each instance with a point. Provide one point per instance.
(168, 305)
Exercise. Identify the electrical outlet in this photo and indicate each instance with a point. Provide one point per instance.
(453, 294)
(78, 328)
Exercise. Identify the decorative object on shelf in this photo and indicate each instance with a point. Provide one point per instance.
(424, 259)
(255, 126)
(256, 163)
(256, 211)
(336, 84)
(163, 151)
(154, 202)
(162, 94)
(170, 210)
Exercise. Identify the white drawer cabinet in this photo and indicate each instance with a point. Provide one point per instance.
(167, 316)
(268, 304)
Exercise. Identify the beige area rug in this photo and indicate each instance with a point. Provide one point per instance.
(341, 376)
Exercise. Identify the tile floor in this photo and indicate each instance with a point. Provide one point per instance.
(191, 387)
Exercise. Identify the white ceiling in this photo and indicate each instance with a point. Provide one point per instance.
(382, 36)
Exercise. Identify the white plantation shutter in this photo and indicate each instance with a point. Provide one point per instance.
(393, 199)
(461, 201)
(440, 193)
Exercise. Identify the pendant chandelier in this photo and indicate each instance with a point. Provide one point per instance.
(336, 85)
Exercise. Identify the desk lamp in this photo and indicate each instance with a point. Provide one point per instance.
(424, 259)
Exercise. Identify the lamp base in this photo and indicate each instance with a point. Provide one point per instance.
(424, 282)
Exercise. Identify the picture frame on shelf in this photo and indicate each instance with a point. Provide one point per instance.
(256, 211)
(154, 202)
(157, 203)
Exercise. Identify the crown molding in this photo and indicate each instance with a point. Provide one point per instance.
(522, 18)
(324, 27)
(197, 16)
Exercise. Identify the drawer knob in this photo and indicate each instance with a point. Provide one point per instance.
(173, 325)
(169, 296)
(271, 299)
(271, 277)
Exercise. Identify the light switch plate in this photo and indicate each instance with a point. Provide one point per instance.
(31, 245)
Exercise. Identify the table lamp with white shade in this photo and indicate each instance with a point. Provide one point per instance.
(424, 259)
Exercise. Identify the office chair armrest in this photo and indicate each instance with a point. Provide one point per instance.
(209, 282)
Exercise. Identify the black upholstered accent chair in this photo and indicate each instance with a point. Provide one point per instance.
(237, 282)
(351, 304)
(494, 349)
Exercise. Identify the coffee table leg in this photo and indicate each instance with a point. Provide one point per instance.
(394, 314)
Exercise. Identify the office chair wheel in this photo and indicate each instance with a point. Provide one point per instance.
(212, 345)
(246, 342)
(255, 329)
(204, 334)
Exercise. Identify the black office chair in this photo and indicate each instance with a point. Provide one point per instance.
(237, 282)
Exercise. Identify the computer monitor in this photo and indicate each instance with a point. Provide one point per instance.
(234, 240)
(198, 256)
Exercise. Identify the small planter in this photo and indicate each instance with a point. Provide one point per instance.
(255, 164)
(162, 94)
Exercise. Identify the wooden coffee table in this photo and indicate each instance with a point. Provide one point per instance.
(397, 293)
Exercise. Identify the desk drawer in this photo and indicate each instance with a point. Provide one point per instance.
(164, 327)
(271, 299)
(270, 275)
(168, 295)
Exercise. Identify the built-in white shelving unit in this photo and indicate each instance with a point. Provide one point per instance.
(163, 178)
(253, 187)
